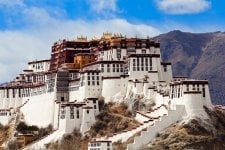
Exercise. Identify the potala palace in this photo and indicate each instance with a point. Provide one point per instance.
(64, 90)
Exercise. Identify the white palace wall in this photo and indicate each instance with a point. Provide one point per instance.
(70, 118)
(88, 119)
(39, 110)
(78, 94)
(113, 86)
(5, 116)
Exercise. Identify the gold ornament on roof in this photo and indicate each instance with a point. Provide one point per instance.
(107, 35)
(81, 39)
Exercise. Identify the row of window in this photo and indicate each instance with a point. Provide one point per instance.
(38, 66)
(142, 60)
(112, 68)
(4, 113)
(142, 68)
(72, 113)
(92, 73)
(177, 92)
(97, 144)
(92, 78)
(93, 83)
(25, 92)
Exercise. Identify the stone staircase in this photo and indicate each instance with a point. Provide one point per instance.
(12, 127)
(23, 104)
(166, 120)
(15, 119)
(124, 135)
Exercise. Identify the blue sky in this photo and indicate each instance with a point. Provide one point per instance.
(29, 27)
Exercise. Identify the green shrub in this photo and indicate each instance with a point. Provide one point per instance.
(99, 125)
(22, 127)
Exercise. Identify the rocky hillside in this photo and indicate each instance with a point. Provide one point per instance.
(197, 55)
(193, 134)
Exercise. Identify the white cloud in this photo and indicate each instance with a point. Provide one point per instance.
(17, 47)
(183, 6)
(103, 5)
(11, 2)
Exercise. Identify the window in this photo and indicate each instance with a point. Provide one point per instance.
(165, 68)
(88, 82)
(146, 61)
(94, 106)
(138, 68)
(93, 77)
(178, 91)
(134, 62)
(142, 61)
(117, 68)
(97, 82)
(134, 65)
(63, 111)
(93, 82)
(197, 87)
(143, 51)
(113, 67)
(150, 68)
(193, 88)
(121, 67)
(108, 67)
(203, 90)
(19, 92)
(71, 109)
(187, 87)
(150, 61)
(13, 92)
(146, 68)
(87, 111)
(78, 114)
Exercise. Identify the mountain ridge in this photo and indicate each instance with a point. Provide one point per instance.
(197, 55)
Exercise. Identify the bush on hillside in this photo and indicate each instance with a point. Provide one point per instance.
(112, 119)
(70, 141)
(23, 128)
(43, 132)
(4, 128)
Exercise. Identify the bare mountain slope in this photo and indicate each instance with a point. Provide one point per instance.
(193, 134)
(197, 55)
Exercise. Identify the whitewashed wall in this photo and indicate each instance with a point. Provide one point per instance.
(113, 86)
(39, 110)
(88, 119)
